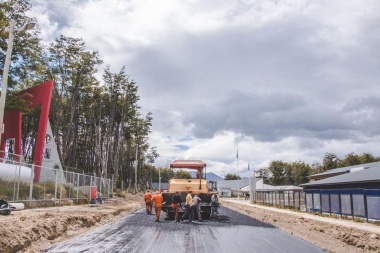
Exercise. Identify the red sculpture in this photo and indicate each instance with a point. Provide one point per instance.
(41, 96)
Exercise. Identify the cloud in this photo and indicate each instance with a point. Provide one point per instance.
(287, 80)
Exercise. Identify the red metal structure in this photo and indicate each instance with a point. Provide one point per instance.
(41, 96)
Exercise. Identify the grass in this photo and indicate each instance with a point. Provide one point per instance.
(41, 191)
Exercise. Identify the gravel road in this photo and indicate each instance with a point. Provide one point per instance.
(139, 233)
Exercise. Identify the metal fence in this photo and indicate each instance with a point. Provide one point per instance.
(294, 199)
(346, 203)
(55, 186)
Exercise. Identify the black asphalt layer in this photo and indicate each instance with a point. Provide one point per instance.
(139, 232)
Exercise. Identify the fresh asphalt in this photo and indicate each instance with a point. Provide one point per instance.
(138, 232)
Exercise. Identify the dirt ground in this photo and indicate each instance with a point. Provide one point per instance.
(32, 230)
(333, 235)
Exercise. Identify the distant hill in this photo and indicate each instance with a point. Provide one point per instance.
(210, 176)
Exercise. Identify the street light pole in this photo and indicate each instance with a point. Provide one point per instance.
(5, 76)
(6, 69)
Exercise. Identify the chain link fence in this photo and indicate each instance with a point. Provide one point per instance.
(54, 187)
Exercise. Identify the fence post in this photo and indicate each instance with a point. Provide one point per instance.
(90, 188)
(19, 179)
(113, 178)
(56, 185)
(31, 186)
(352, 205)
(108, 188)
(365, 204)
(60, 179)
(340, 204)
(78, 190)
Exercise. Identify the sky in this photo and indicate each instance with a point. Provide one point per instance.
(265, 79)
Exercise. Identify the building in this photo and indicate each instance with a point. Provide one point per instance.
(364, 176)
(232, 188)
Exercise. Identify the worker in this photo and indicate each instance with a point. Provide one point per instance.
(157, 200)
(214, 206)
(148, 202)
(176, 204)
(188, 210)
(199, 174)
(195, 205)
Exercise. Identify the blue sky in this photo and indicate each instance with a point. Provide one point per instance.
(280, 80)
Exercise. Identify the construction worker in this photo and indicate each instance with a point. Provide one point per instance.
(176, 204)
(188, 210)
(157, 200)
(214, 206)
(195, 205)
(148, 201)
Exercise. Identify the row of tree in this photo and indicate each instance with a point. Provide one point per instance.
(296, 173)
(96, 124)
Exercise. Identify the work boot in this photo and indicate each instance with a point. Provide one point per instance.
(181, 221)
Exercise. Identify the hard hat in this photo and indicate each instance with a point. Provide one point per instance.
(190, 191)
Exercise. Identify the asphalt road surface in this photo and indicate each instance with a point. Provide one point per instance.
(138, 232)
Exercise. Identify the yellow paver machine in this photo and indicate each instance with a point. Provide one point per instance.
(199, 186)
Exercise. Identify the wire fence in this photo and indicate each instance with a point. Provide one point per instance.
(55, 186)
(344, 203)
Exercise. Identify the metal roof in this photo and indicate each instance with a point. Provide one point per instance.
(346, 169)
(371, 174)
(233, 184)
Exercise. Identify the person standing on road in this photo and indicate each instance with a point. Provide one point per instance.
(214, 206)
(148, 201)
(176, 204)
(195, 205)
(188, 210)
(157, 200)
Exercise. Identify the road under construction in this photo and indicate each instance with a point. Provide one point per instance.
(138, 232)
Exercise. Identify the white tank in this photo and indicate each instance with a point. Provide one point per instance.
(12, 172)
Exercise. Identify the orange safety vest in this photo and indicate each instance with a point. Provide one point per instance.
(148, 197)
(157, 199)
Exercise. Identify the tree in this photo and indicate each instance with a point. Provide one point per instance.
(230, 176)
(26, 59)
(299, 172)
(96, 124)
(182, 174)
(263, 173)
(278, 170)
(330, 161)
